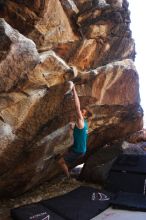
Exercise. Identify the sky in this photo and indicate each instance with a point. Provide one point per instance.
(138, 28)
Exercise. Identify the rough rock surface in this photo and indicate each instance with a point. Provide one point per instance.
(45, 22)
(86, 34)
(18, 55)
(98, 165)
(90, 36)
(139, 136)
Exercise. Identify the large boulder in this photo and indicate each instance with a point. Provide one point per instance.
(30, 141)
(88, 42)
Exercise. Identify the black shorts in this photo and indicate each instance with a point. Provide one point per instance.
(71, 157)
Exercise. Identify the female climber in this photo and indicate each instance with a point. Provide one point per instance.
(80, 132)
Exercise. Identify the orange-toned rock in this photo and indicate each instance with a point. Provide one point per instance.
(45, 22)
(112, 84)
(42, 126)
(51, 71)
(93, 37)
(76, 28)
(109, 84)
(84, 55)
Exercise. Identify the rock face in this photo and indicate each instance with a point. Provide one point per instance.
(45, 22)
(18, 55)
(94, 37)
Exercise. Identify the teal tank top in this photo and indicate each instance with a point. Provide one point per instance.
(80, 138)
